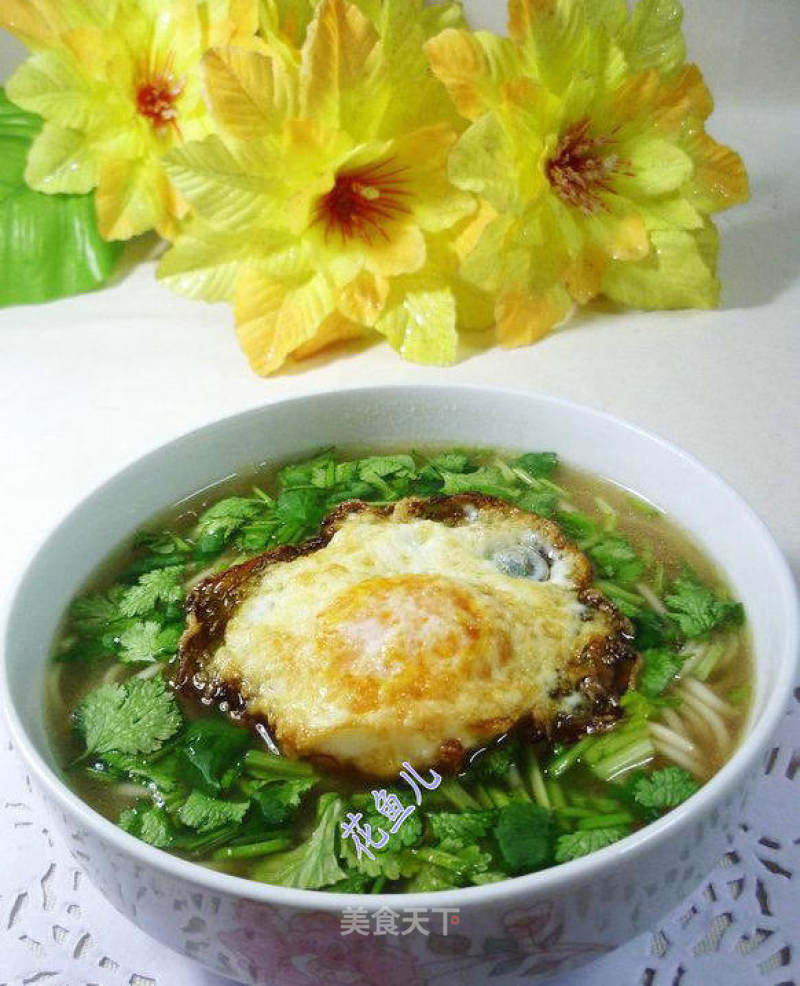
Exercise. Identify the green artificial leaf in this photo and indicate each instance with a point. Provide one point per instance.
(698, 609)
(665, 788)
(312, 864)
(205, 813)
(581, 843)
(50, 246)
(135, 717)
(525, 834)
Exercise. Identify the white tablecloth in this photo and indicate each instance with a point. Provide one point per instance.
(88, 384)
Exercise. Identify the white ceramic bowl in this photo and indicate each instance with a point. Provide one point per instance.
(533, 924)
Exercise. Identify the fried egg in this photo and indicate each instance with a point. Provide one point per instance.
(410, 633)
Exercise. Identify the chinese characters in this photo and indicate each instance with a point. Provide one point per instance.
(390, 807)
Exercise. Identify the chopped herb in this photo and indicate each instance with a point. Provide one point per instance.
(211, 748)
(135, 717)
(538, 465)
(572, 845)
(660, 667)
(697, 609)
(148, 641)
(665, 788)
(148, 822)
(204, 813)
(460, 829)
(164, 585)
(313, 864)
(525, 834)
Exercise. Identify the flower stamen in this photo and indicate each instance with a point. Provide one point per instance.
(363, 202)
(581, 169)
(157, 92)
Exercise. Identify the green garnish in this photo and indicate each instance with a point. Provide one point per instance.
(135, 717)
(312, 864)
(698, 609)
(665, 788)
(204, 813)
(525, 835)
(581, 843)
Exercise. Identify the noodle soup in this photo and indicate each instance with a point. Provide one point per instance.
(600, 675)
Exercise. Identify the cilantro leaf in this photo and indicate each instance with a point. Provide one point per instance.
(660, 667)
(217, 525)
(93, 613)
(451, 462)
(210, 748)
(542, 502)
(697, 609)
(135, 717)
(538, 465)
(460, 829)
(487, 479)
(525, 833)
(164, 585)
(148, 822)
(148, 641)
(160, 773)
(665, 788)
(614, 558)
(495, 762)
(312, 864)
(277, 800)
(205, 813)
(584, 841)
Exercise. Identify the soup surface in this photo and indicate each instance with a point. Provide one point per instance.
(484, 665)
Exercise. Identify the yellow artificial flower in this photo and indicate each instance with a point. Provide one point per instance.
(587, 145)
(326, 211)
(118, 83)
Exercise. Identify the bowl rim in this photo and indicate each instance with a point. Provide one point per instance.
(548, 881)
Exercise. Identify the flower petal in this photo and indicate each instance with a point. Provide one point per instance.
(653, 37)
(658, 166)
(61, 161)
(53, 86)
(435, 202)
(720, 179)
(133, 197)
(523, 317)
(251, 94)
(679, 273)
(402, 252)
(273, 318)
(473, 66)
(334, 330)
(364, 298)
(220, 184)
(422, 327)
(338, 46)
